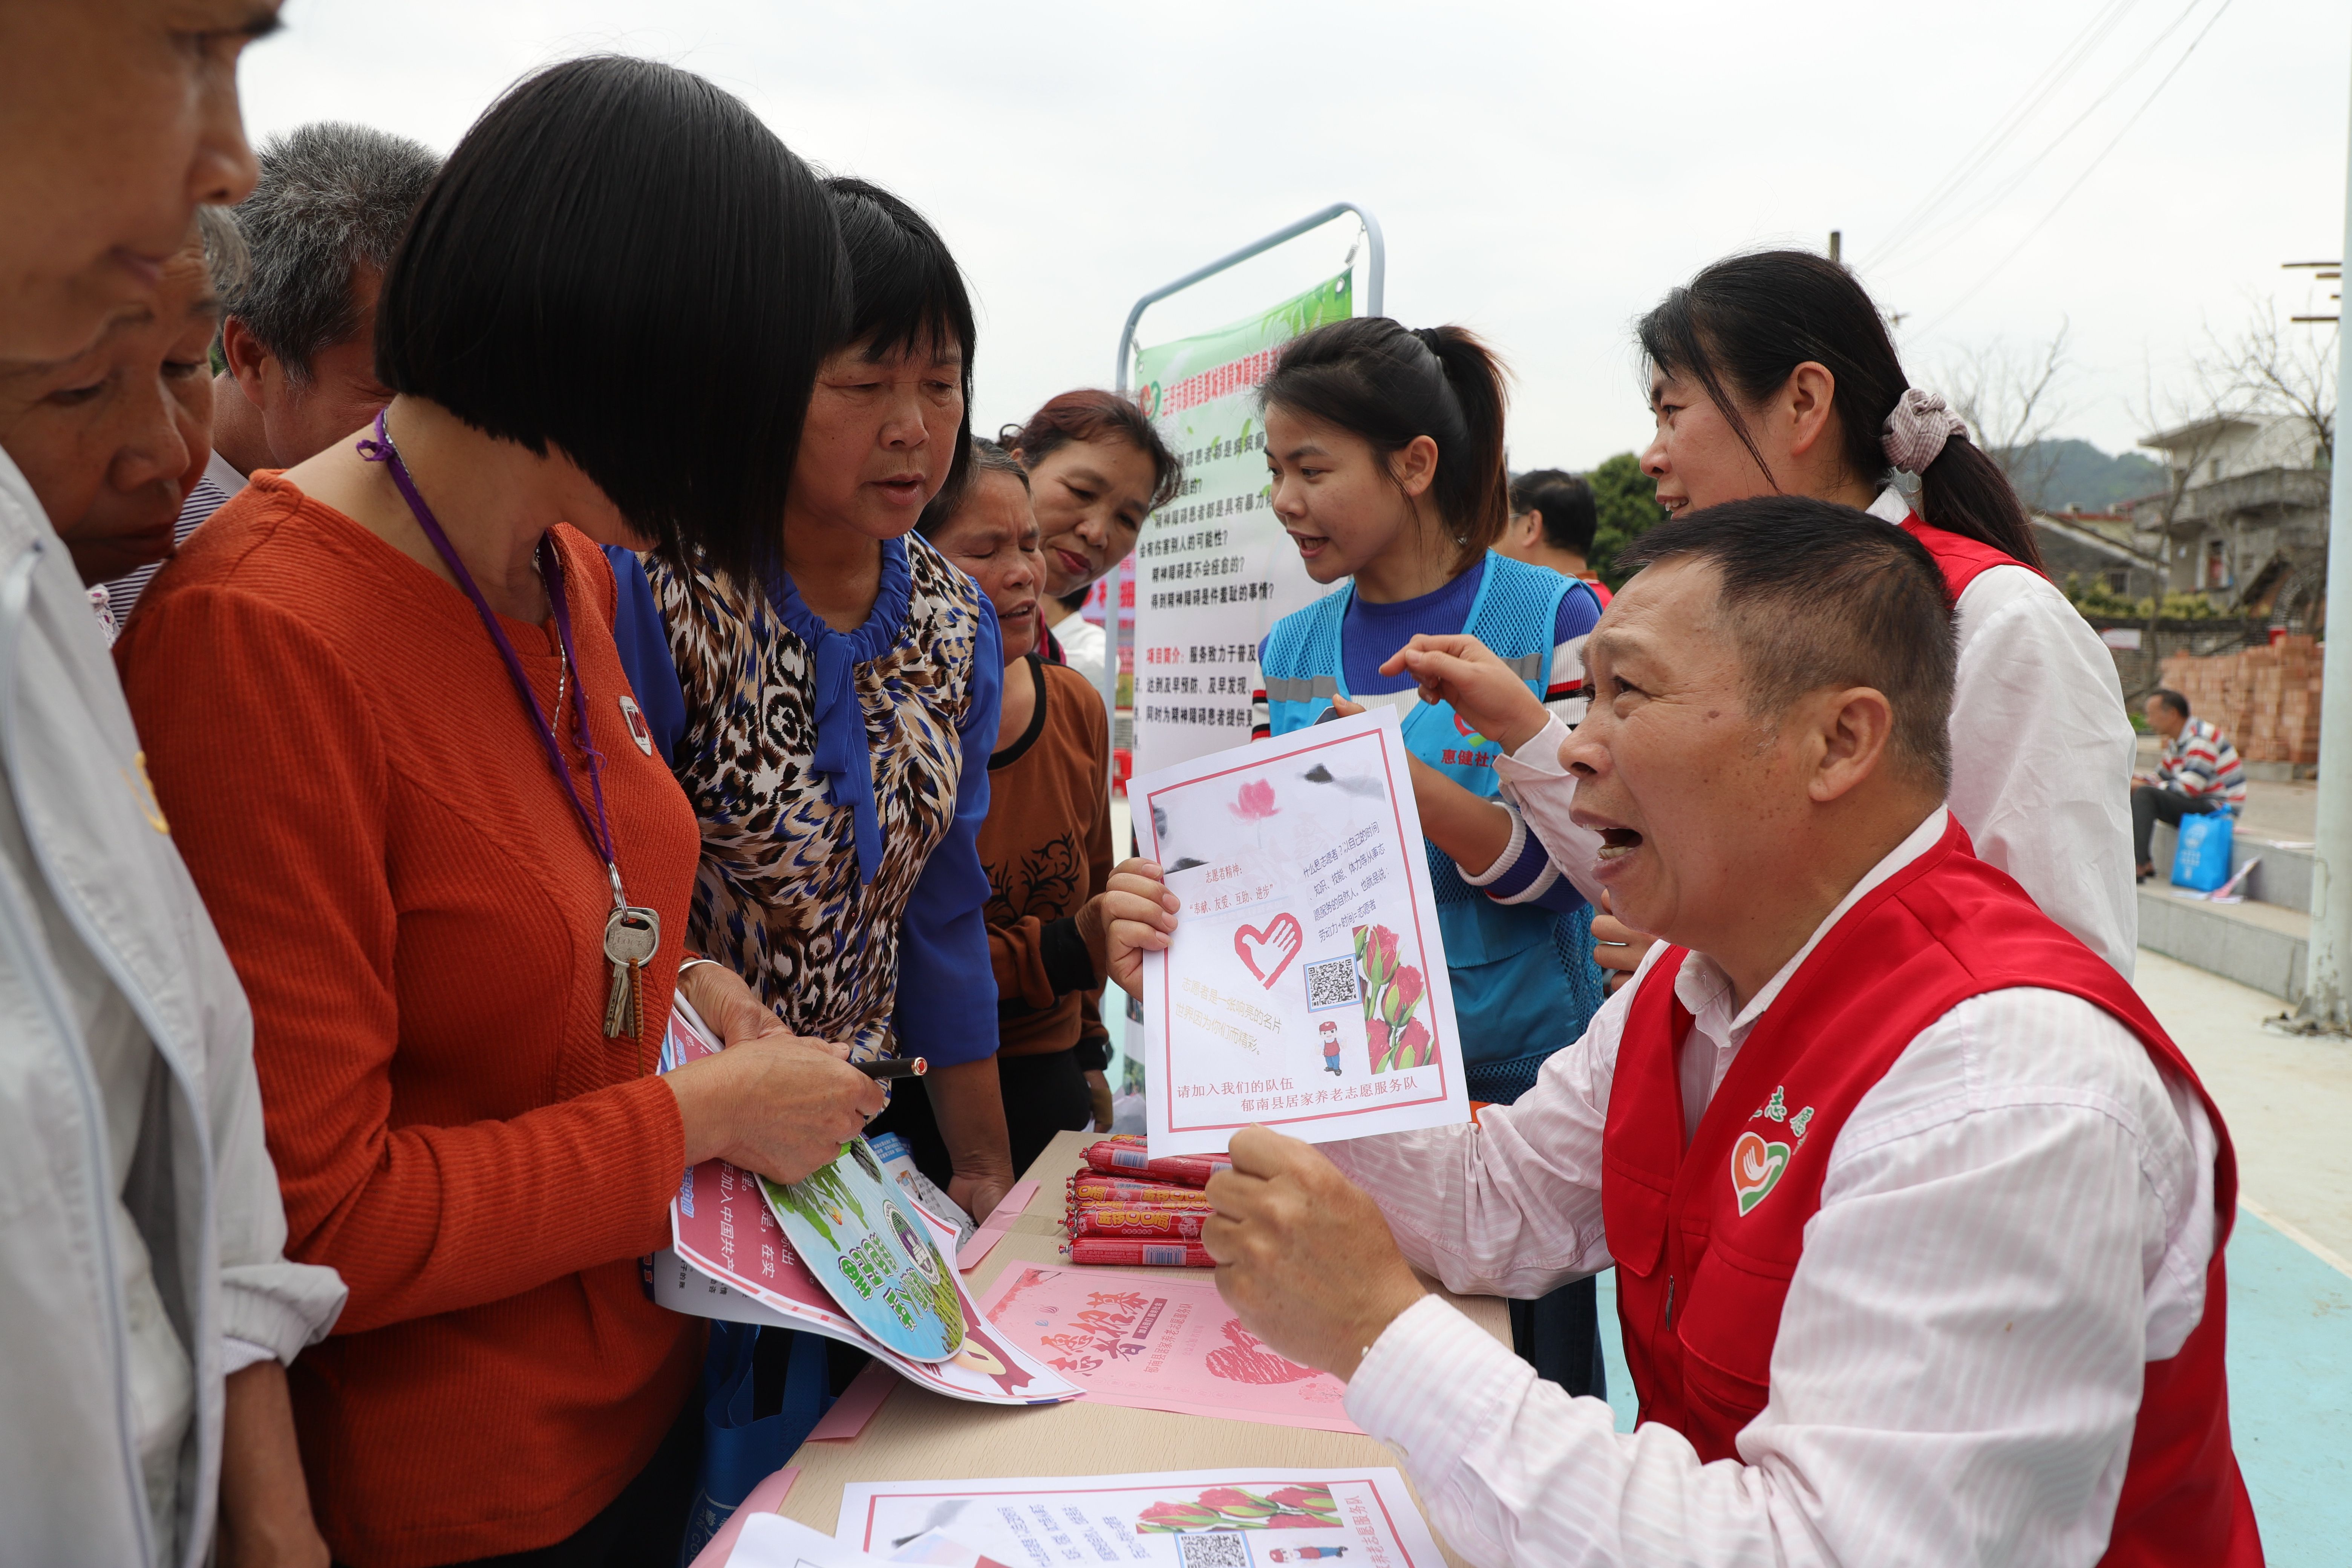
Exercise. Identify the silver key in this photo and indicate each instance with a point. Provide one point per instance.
(632, 936)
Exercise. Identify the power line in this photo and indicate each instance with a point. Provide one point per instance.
(2053, 76)
(2092, 168)
(1985, 204)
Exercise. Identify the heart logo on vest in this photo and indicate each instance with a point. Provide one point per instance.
(1756, 1168)
(1276, 946)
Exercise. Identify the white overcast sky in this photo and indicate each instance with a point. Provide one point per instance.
(1543, 172)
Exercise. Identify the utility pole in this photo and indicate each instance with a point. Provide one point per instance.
(1837, 243)
(2328, 988)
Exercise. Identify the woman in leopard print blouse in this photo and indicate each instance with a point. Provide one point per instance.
(831, 716)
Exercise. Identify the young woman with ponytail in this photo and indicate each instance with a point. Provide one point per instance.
(1774, 372)
(1385, 448)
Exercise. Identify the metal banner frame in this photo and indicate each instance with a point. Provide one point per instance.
(1375, 275)
(1376, 269)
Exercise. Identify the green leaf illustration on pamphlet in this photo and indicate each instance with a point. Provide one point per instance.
(874, 1258)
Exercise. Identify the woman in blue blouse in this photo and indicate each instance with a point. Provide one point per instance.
(831, 716)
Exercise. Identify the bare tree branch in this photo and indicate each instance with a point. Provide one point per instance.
(2288, 372)
(2011, 398)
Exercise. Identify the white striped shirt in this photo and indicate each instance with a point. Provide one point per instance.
(210, 491)
(2013, 1220)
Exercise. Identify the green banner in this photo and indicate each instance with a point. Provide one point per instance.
(1178, 375)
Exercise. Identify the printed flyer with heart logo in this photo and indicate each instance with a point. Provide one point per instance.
(1307, 987)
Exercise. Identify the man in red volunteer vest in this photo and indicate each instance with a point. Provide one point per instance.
(1916, 1214)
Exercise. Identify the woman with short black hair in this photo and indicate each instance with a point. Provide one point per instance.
(830, 704)
(385, 716)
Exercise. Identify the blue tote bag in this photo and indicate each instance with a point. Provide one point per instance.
(2202, 861)
(739, 1448)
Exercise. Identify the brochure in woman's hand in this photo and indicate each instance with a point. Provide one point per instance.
(875, 1259)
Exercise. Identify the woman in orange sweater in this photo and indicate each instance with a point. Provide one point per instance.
(386, 717)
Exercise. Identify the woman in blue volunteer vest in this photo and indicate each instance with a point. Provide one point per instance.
(1385, 448)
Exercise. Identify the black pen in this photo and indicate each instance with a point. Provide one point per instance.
(894, 1066)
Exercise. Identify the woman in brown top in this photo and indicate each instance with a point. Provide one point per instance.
(1045, 845)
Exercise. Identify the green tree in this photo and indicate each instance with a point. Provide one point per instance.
(1627, 501)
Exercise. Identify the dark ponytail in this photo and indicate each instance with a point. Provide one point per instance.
(1373, 378)
(1745, 325)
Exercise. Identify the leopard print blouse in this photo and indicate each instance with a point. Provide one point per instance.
(778, 895)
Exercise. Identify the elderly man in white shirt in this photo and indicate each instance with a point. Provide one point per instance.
(1917, 1213)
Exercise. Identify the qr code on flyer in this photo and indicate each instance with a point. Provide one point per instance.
(1331, 983)
(1214, 1549)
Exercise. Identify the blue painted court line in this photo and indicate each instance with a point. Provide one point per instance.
(2290, 1390)
(2291, 1393)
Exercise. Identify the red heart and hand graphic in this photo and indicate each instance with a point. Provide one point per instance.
(1756, 1168)
(1268, 952)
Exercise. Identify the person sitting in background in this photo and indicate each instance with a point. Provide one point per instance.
(300, 337)
(113, 439)
(1097, 470)
(1047, 843)
(1552, 523)
(2198, 772)
(148, 1305)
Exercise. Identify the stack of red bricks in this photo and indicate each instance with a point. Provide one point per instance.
(2266, 698)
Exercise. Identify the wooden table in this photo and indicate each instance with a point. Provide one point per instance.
(918, 1435)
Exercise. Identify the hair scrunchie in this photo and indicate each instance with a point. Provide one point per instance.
(1915, 434)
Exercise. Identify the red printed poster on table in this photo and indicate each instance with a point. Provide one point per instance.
(1159, 1342)
(1306, 987)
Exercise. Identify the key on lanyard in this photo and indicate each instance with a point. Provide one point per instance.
(632, 935)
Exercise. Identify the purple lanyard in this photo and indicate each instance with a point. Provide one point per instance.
(551, 565)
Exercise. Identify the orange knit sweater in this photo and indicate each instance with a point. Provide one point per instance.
(418, 919)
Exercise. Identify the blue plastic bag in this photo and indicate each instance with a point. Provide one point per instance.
(2202, 861)
(740, 1451)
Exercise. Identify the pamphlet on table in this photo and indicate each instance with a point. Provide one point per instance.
(1177, 1519)
(772, 1541)
(1157, 1342)
(1306, 987)
(728, 1259)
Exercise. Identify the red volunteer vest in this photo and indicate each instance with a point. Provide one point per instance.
(1961, 558)
(1706, 1238)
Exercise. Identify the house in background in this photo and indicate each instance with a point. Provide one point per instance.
(2250, 529)
(2103, 548)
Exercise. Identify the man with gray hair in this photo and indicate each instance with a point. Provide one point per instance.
(300, 336)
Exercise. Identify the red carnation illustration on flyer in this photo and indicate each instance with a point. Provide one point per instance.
(1237, 1507)
(1393, 992)
(1255, 802)
(1246, 1360)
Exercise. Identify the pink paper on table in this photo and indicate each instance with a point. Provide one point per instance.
(856, 1405)
(766, 1498)
(1157, 1342)
(1000, 1220)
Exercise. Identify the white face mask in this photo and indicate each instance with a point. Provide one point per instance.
(1544, 794)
